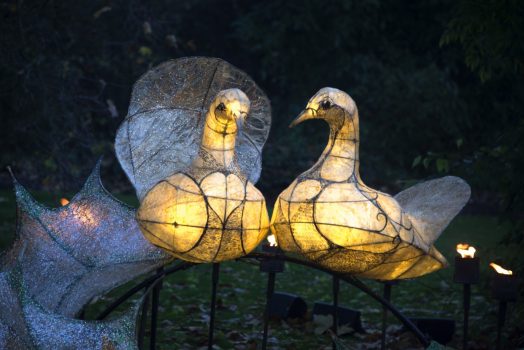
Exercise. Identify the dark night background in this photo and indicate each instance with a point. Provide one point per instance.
(439, 85)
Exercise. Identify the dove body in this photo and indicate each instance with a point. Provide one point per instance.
(331, 217)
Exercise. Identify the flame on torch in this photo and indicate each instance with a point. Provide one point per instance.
(465, 250)
(272, 240)
(64, 201)
(500, 269)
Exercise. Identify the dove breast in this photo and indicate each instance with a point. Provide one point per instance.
(219, 217)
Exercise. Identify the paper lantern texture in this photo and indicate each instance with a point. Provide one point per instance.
(162, 131)
(209, 212)
(79, 251)
(331, 217)
(26, 325)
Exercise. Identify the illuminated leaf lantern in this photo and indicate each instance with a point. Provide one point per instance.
(210, 211)
(331, 217)
(79, 251)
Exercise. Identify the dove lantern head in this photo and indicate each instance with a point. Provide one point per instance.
(209, 212)
(332, 218)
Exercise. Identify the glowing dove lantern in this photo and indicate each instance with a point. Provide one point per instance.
(209, 212)
(331, 217)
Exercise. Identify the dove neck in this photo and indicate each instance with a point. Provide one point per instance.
(340, 159)
(218, 140)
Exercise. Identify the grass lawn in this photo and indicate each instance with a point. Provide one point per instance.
(241, 297)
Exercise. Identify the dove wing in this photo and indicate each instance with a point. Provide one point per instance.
(431, 205)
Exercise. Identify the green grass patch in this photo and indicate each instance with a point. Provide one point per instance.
(185, 296)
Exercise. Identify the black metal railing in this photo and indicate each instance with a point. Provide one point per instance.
(153, 284)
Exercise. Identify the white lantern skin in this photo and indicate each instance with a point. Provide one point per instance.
(332, 218)
(210, 212)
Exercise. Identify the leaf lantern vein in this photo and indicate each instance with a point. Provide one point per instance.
(81, 250)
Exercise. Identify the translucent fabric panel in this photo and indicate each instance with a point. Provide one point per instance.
(162, 131)
(76, 252)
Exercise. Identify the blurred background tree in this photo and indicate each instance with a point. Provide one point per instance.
(438, 84)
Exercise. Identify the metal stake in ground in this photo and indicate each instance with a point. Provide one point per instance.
(336, 289)
(272, 265)
(214, 284)
(387, 296)
(155, 301)
(501, 319)
(504, 289)
(143, 322)
(467, 272)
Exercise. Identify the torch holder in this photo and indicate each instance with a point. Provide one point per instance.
(272, 265)
(467, 270)
(275, 264)
(504, 288)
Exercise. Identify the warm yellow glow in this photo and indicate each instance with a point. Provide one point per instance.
(272, 240)
(500, 269)
(465, 250)
(210, 212)
(331, 217)
(64, 201)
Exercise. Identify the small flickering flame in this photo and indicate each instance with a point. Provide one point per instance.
(500, 269)
(64, 201)
(272, 240)
(465, 250)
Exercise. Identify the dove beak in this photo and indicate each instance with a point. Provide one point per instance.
(239, 121)
(308, 113)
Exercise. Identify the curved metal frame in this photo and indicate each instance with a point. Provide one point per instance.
(162, 273)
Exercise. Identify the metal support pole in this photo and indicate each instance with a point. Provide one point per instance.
(336, 289)
(467, 302)
(387, 297)
(143, 322)
(142, 285)
(348, 279)
(269, 294)
(500, 321)
(214, 284)
(155, 301)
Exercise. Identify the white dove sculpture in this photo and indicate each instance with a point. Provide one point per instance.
(191, 145)
(209, 212)
(331, 217)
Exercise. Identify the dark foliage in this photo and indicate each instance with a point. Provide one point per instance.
(438, 83)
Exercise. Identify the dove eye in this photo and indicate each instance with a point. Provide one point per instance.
(325, 104)
(221, 107)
